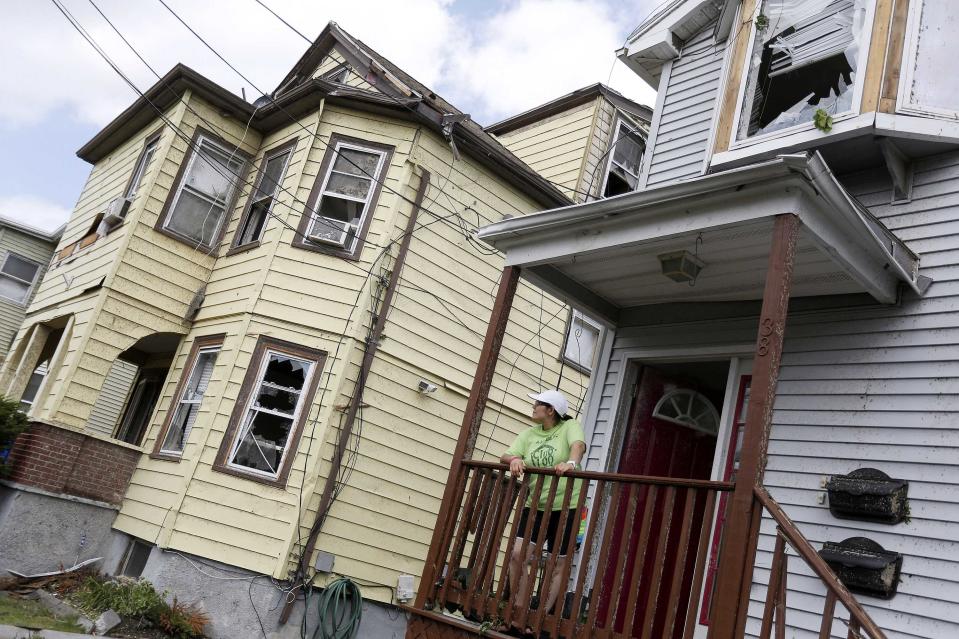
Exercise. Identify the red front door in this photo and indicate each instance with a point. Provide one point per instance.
(659, 448)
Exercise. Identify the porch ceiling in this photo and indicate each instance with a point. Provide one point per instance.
(603, 256)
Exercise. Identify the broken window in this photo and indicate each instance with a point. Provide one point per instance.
(17, 275)
(189, 400)
(276, 400)
(805, 58)
(345, 196)
(205, 189)
(622, 175)
(264, 196)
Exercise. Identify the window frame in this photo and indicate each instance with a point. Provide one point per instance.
(145, 377)
(776, 137)
(620, 122)
(335, 142)
(288, 147)
(140, 168)
(204, 343)
(30, 285)
(567, 333)
(189, 157)
(251, 381)
(910, 53)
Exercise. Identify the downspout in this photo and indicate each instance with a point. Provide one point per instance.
(326, 498)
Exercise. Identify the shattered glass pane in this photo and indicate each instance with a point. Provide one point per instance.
(804, 59)
(348, 185)
(269, 420)
(356, 162)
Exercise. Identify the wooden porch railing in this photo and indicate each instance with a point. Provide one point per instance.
(647, 541)
(859, 626)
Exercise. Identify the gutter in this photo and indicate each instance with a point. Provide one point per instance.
(346, 432)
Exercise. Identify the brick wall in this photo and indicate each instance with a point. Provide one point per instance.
(63, 461)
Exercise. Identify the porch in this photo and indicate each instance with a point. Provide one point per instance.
(663, 554)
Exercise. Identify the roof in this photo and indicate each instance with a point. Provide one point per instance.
(569, 101)
(592, 246)
(660, 37)
(402, 97)
(40, 234)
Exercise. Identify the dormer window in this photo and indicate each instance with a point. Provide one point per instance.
(806, 57)
(625, 159)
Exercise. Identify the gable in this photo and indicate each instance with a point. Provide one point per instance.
(333, 64)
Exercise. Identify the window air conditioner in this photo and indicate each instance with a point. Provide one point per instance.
(116, 211)
(330, 232)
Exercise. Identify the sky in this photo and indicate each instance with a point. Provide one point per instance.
(491, 59)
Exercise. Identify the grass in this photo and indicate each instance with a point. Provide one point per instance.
(27, 613)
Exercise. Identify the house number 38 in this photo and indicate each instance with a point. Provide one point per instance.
(765, 330)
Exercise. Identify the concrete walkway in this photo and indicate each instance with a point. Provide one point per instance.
(13, 632)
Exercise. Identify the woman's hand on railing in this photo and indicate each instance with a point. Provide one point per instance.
(517, 466)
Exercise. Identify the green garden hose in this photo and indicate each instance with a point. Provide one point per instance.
(339, 609)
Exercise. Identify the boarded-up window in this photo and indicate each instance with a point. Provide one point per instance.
(931, 81)
(582, 337)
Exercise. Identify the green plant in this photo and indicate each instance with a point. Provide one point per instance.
(126, 597)
(32, 614)
(822, 120)
(12, 423)
(139, 599)
(762, 22)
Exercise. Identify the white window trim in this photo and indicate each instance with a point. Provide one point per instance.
(180, 401)
(854, 109)
(315, 217)
(587, 320)
(288, 151)
(261, 371)
(611, 149)
(146, 156)
(30, 285)
(910, 54)
(194, 151)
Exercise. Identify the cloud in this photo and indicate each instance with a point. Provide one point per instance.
(33, 211)
(536, 50)
(489, 63)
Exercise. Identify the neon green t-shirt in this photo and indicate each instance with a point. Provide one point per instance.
(544, 449)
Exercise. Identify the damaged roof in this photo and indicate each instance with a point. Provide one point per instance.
(399, 95)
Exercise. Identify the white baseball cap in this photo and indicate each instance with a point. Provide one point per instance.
(554, 398)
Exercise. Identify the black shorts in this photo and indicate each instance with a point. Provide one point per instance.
(552, 528)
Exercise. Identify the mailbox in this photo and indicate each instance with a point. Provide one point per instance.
(864, 566)
(868, 494)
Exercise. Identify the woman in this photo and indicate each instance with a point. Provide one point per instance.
(556, 441)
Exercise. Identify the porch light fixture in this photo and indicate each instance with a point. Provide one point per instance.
(681, 266)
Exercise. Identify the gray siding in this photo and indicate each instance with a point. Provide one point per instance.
(116, 387)
(880, 389)
(686, 115)
(876, 387)
(32, 248)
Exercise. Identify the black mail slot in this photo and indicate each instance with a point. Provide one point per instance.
(868, 494)
(864, 566)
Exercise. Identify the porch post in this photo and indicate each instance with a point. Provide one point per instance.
(742, 522)
(472, 417)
